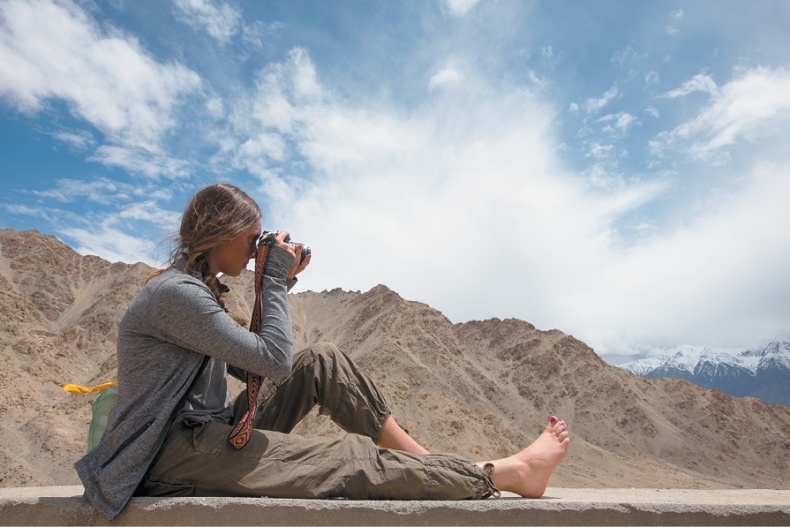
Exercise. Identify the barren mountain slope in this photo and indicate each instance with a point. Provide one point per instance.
(482, 389)
(59, 315)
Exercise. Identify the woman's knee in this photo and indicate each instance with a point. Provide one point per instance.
(329, 359)
(326, 350)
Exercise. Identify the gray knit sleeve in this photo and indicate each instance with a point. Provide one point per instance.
(276, 323)
(180, 309)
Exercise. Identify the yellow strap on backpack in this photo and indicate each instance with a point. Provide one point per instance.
(74, 388)
(101, 408)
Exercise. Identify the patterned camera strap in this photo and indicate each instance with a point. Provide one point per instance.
(242, 432)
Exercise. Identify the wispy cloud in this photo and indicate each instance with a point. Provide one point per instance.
(596, 104)
(754, 104)
(220, 20)
(27, 210)
(406, 187)
(723, 265)
(140, 161)
(444, 77)
(54, 52)
(80, 139)
(459, 177)
(102, 190)
(150, 211)
(117, 208)
(126, 223)
(618, 123)
(674, 18)
(110, 242)
(699, 83)
(431, 157)
(460, 7)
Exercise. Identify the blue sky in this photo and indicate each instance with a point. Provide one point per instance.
(615, 170)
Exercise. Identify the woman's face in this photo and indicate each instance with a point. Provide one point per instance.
(231, 257)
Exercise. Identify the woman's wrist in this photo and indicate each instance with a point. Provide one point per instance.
(278, 262)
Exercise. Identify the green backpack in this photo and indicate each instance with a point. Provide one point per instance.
(102, 407)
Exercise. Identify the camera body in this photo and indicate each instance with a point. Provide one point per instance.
(268, 239)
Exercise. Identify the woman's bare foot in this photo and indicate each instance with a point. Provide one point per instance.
(527, 473)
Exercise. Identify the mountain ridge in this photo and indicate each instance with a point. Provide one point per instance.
(754, 371)
(482, 389)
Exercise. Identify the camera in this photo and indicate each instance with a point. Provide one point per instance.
(269, 237)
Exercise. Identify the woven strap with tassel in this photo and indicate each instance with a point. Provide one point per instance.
(242, 432)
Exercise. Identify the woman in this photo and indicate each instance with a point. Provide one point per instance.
(168, 434)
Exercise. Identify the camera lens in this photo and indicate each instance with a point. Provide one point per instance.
(305, 250)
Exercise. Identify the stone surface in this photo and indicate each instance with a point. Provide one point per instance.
(560, 506)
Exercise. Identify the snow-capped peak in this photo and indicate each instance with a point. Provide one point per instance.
(775, 354)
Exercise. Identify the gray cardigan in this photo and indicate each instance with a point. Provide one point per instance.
(166, 333)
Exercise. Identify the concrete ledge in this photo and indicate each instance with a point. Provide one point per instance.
(560, 506)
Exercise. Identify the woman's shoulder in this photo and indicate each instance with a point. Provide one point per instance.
(173, 284)
(171, 276)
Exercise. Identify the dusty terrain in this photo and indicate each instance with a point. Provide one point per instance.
(482, 389)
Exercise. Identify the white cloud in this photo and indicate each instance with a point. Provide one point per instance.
(699, 83)
(628, 56)
(467, 208)
(80, 139)
(754, 104)
(221, 21)
(652, 77)
(101, 190)
(305, 85)
(718, 281)
(127, 227)
(599, 151)
(619, 122)
(674, 17)
(266, 145)
(25, 210)
(460, 202)
(280, 86)
(53, 51)
(594, 105)
(108, 242)
(140, 161)
(466, 200)
(254, 32)
(460, 7)
(115, 202)
(150, 211)
(444, 77)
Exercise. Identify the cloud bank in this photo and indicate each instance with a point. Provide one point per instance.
(657, 220)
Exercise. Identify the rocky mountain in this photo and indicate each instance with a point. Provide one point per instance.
(483, 389)
(758, 371)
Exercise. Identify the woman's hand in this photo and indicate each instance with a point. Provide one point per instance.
(298, 265)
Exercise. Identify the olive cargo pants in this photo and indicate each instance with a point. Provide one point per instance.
(199, 460)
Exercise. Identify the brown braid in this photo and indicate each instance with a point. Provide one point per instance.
(200, 265)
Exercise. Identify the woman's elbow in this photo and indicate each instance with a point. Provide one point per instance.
(282, 370)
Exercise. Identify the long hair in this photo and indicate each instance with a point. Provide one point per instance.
(216, 214)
